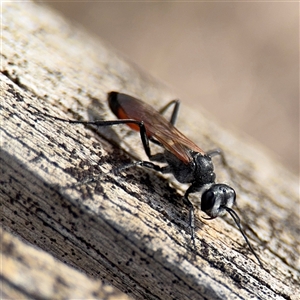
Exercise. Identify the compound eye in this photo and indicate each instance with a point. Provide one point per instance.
(207, 201)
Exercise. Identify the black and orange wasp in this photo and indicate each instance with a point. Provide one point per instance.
(183, 158)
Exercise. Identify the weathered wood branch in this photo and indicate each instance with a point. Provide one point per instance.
(130, 229)
(30, 273)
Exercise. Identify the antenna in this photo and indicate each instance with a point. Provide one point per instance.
(237, 221)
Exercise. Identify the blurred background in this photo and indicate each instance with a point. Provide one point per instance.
(238, 60)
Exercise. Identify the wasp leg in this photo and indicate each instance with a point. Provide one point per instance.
(174, 115)
(192, 189)
(146, 164)
(144, 137)
(220, 152)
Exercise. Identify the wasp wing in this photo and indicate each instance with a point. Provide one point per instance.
(157, 126)
(173, 140)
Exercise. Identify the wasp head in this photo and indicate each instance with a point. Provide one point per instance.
(216, 200)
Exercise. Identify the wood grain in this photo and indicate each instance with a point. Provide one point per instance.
(130, 229)
(31, 273)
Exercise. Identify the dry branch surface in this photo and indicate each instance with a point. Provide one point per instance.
(31, 273)
(129, 229)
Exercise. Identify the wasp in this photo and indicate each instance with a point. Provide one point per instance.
(181, 157)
